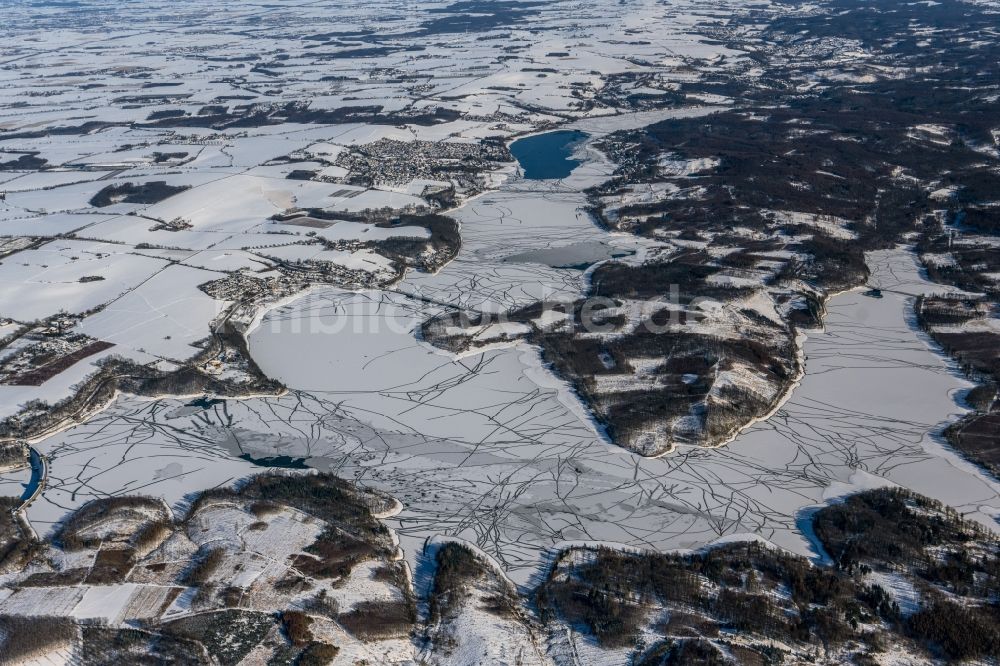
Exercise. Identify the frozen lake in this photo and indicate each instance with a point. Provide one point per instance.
(579, 255)
(494, 449)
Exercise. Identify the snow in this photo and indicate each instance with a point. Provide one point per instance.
(105, 602)
(502, 330)
(42, 601)
(471, 634)
(359, 260)
(361, 587)
(62, 386)
(944, 193)
(36, 284)
(490, 447)
(944, 260)
(830, 225)
(892, 375)
(161, 317)
(495, 449)
(671, 166)
(344, 230)
(900, 589)
(289, 531)
(168, 468)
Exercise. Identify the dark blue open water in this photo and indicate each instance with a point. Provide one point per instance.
(548, 156)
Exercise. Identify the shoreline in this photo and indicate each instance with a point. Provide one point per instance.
(534, 371)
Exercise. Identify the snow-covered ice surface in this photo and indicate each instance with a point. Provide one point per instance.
(527, 471)
(494, 449)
